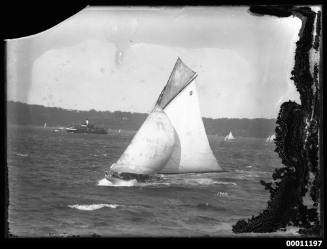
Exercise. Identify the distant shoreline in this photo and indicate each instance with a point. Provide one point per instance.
(13, 125)
(112, 131)
(36, 116)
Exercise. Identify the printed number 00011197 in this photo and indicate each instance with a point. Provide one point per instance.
(303, 242)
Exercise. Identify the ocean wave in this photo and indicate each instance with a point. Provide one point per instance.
(242, 177)
(153, 184)
(208, 206)
(288, 231)
(224, 226)
(165, 182)
(226, 183)
(21, 154)
(131, 183)
(251, 172)
(92, 207)
(201, 181)
(120, 183)
(242, 174)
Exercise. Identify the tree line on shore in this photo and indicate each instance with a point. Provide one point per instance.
(26, 114)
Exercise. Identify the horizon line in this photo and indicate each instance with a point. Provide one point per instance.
(83, 110)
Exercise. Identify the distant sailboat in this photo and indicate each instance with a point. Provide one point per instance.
(45, 125)
(172, 139)
(229, 137)
(270, 139)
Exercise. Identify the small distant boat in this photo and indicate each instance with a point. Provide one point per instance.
(86, 128)
(229, 137)
(270, 139)
(45, 125)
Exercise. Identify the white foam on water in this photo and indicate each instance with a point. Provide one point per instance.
(201, 181)
(155, 184)
(242, 171)
(227, 183)
(92, 207)
(205, 181)
(252, 171)
(167, 181)
(130, 183)
(21, 154)
(119, 183)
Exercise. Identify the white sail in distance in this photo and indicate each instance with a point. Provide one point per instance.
(229, 137)
(182, 145)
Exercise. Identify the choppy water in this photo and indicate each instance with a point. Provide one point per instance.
(57, 188)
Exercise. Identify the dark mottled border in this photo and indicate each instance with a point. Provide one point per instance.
(297, 133)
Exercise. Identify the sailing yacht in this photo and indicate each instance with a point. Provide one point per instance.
(172, 140)
(229, 137)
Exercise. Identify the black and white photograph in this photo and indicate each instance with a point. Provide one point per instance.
(162, 121)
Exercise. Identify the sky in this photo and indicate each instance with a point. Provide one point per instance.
(115, 58)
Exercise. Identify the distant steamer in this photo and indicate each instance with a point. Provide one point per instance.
(86, 128)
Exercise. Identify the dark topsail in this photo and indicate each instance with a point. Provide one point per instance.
(179, 78)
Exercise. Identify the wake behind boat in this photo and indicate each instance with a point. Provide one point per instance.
(172, 139)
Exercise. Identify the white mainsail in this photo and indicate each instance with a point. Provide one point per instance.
(229, 136)
(192, 152)
(150, 148)
(172, 139)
